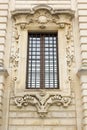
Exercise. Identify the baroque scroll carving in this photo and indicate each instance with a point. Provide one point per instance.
(42, 102)
(42, 17)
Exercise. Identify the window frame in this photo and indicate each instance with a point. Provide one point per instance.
(48, 19)
(41, 56)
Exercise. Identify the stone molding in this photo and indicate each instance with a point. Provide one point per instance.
(51, 10)
(42, 102)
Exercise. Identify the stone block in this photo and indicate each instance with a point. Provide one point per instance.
(82, 12)
(2, 47)
(82, 6)
(84, 92)
(3, 19)
(45, 122)
(83, 40)
(3, 6)
(1, 55)
(83, 32)
(83, 47)
(3, 12)
(82, 25)
(2, 40)
(82, 1)
(2, 26)
(84, 55)
(85, 127)
(4, 1)
(2, 33)
(42, 127)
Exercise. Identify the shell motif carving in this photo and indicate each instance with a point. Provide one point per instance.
(42, 102)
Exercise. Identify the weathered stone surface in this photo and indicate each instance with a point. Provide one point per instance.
(43, 15)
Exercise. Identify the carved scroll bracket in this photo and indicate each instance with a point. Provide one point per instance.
(42, 102)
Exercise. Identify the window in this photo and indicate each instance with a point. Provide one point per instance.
(42, 61)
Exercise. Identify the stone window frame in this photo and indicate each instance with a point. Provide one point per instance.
(42, 19)
(42, 83)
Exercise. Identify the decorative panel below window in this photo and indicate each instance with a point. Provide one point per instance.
(42, 61)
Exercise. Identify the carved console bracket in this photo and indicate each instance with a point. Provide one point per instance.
(42, 102)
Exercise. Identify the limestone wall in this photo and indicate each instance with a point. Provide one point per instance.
(14, 115)
(57, 118)
(82, 13)
(28, 4)
(3, 30)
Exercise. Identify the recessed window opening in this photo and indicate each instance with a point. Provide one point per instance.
(42, 61)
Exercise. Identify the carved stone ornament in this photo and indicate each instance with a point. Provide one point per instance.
(42, 16)
(42, 102)
(69, 50)
(15, 51)
(14, 59)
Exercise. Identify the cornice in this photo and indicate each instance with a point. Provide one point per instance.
(68, 12)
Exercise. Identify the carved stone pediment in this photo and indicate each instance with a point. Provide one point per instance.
(42, 17)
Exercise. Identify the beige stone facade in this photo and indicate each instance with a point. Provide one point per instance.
(43, 109)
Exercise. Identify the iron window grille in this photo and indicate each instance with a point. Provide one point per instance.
(42, 61)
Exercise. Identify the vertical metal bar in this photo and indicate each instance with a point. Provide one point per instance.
(31, 62)
(35, 59)
(57, 61)
(42, 61)
(27, 73)
(49, 57)
(53, 63)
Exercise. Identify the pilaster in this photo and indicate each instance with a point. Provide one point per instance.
(4, 4)
(83, 82)
(82, 17)
(3, 75)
